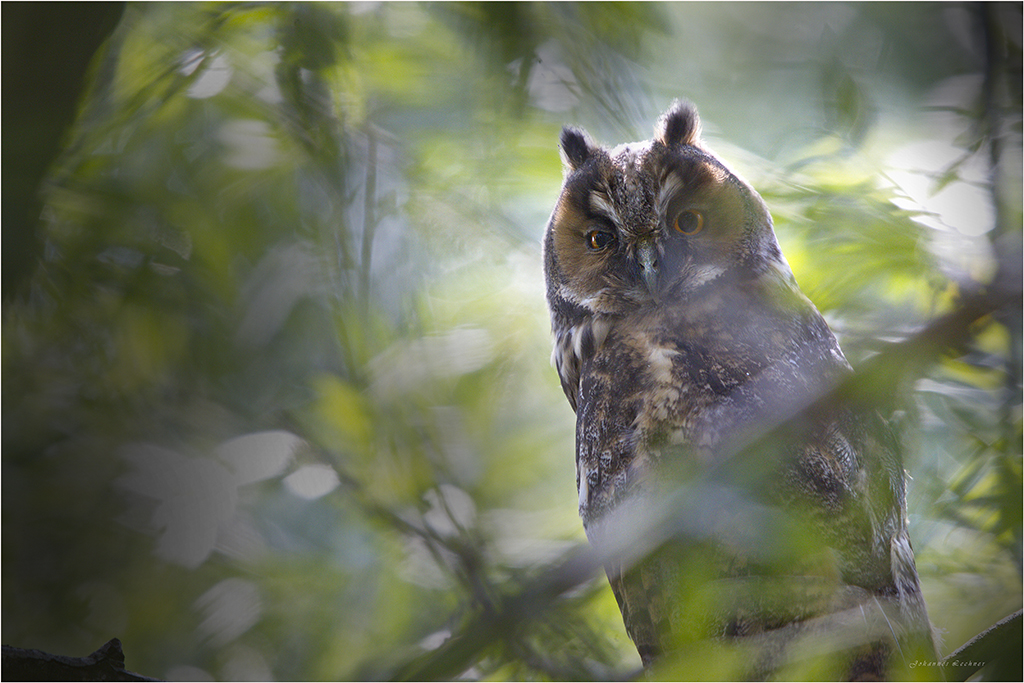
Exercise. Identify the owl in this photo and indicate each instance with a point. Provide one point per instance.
(680, 336)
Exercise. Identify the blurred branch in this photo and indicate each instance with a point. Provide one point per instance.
(458, 653)
(870, 384)
(581, 671)
(468, 554)
(369, 217)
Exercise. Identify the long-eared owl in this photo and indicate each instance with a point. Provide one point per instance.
(679, 333)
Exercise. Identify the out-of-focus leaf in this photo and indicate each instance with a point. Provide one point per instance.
(278, 400)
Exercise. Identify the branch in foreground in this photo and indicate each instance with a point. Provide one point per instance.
(950, 331)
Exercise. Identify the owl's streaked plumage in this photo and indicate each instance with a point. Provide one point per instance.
(678, 328)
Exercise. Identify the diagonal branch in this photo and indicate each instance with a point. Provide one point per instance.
(661, 521)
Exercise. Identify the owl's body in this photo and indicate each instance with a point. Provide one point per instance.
(680, 331)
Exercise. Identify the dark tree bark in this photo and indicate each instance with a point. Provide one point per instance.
(106, 664)
(47, 49)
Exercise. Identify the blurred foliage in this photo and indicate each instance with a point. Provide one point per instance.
(276, 395)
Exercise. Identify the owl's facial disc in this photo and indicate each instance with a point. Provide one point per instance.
(644, 223)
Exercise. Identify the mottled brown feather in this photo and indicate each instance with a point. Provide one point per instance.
(671, 347)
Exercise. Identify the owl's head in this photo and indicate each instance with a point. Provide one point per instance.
(650, 222)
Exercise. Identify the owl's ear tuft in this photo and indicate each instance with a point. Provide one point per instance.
(577, 147)
(680, 125)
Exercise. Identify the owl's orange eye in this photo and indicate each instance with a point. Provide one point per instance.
(689, 222)
(599, 239)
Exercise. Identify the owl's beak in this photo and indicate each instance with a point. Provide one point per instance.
(647, 257)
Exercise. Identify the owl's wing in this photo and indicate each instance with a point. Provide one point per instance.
(641, 602)
(578, 335)
(889, 571)
(567, 363)
(850, 481)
